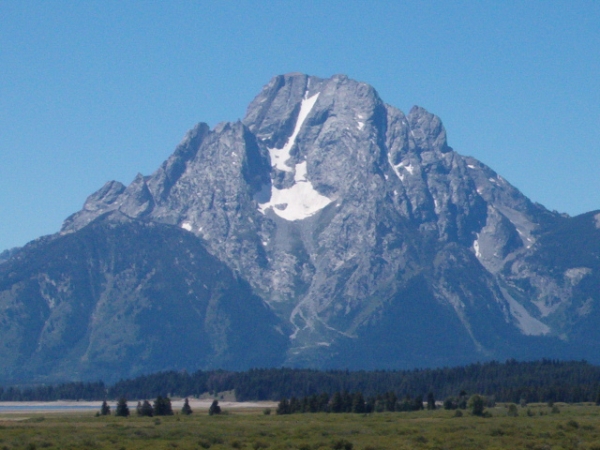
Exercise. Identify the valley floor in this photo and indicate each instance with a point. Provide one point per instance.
(576, 426)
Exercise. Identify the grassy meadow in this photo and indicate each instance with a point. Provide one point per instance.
(536, 427)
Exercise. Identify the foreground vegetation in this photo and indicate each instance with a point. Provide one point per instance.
(535, 427)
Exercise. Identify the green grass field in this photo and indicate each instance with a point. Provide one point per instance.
(575, 427)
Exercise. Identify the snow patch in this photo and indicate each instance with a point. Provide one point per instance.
(470, 166)
(297, 202)
(280, 156)
(597, 220)
(402, 165)
(576, 274)
(360, 125)
(300, 175)
(476, 247)
(186, 226)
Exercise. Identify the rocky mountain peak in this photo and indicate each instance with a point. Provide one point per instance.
(426, 130)
(356, 226)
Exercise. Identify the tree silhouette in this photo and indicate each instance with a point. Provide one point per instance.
(430, 401)
(122, 408)
(146, 409)
(214, 408)
(105, 409)
(186, 410)
(162, 406)
(476, 403)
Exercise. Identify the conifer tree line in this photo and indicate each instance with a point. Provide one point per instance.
(345, 402)
(512, 381)
(161, 407)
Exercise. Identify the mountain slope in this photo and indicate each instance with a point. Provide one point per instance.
(121, 298)
(373, 242)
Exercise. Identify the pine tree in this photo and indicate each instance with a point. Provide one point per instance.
(324, 402)
(405, 405)
(162, 406)
(186, 410)
(146, 409)
(214, 408)
(282, 408)
(122, 408)
(295, 405)
(347, 400)
(358, 403)
(430, 401)
(337, 403)
(418, 403)
(105, 409)
(390, 401)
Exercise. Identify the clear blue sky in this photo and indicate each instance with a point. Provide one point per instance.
(92, 91)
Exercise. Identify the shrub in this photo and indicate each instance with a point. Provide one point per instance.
(342, 444)
(476, 403)
(214, 408)
(450, 403)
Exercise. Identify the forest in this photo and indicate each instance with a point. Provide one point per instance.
(510, 381)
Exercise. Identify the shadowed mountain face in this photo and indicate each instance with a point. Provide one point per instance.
(357, 236)
(119, 298)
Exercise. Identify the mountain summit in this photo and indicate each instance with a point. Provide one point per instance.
(326, 229)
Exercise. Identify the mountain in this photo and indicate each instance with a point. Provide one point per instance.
(326, 229)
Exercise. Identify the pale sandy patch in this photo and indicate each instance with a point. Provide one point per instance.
(85, 406)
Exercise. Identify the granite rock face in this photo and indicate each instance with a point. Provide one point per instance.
(370, 241)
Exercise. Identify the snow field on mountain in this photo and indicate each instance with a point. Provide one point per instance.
(300, 200)
(279, 157)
